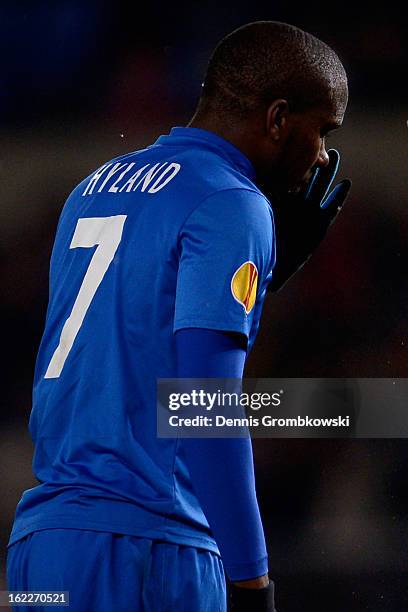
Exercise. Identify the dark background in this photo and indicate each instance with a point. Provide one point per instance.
(82, 82)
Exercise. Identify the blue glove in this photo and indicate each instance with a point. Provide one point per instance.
(303, 218)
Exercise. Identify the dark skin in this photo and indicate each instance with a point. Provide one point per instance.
(283, 147)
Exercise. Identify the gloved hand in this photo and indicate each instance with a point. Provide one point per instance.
(251, 600)
(302, 219)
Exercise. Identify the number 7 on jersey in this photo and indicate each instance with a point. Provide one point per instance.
(106, 232)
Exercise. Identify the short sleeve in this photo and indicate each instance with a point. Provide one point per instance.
(227, 255)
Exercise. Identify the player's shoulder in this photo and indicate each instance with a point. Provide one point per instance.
(216, 180)
(239, 208)
(221, 191)
(206, 166)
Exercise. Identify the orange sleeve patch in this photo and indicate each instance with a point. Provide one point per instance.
(244, 285)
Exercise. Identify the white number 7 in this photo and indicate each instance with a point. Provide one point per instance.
(106, 232)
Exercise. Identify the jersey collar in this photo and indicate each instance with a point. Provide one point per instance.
(188, 135)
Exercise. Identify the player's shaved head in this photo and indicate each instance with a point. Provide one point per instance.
(265, 60)
(275, 92)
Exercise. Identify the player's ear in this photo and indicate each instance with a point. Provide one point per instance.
(276, 118)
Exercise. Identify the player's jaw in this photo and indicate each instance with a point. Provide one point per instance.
(292, 172)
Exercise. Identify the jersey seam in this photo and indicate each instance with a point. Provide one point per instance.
(217, 323)
(250, 564)
(41, 524)
(173, 503)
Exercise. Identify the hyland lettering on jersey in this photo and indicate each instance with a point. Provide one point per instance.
(118, 178)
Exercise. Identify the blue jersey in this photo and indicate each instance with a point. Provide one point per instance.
(173, 236)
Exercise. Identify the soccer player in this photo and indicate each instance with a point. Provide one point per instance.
(160, 267)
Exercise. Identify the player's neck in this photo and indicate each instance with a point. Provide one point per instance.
(235, 134)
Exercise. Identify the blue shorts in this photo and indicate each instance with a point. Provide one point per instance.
(109, 572)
